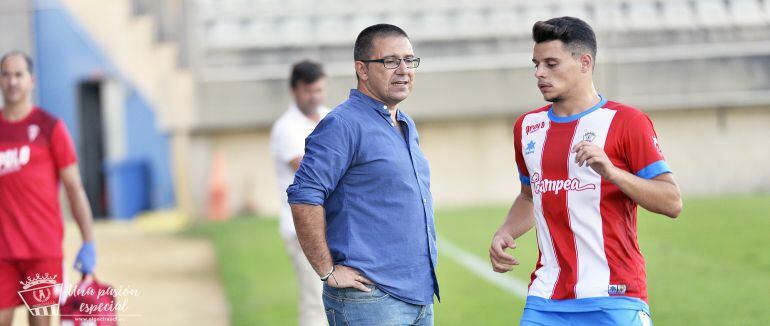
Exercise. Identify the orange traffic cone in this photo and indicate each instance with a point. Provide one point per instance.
(218, 209)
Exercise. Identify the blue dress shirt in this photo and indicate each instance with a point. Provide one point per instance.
(374, 184)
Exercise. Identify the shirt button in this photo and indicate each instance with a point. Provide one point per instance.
(424, 200)
(392, 124)
(417, 174)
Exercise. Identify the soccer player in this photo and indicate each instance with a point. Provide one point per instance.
(287, 143)
(36, 153)
(585, 163)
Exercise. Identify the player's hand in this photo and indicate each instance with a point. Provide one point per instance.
(502, 261)
(85, 261)
(346, 277)
(590, 154)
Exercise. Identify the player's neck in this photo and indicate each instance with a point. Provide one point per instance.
(576, 103)
(16, 111)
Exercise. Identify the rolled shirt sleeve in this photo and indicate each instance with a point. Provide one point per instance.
(328, 155)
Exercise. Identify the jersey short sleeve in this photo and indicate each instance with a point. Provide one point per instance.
(641, 147)
(520, 163)
(62, 148)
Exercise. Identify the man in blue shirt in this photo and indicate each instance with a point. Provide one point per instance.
(361, 198)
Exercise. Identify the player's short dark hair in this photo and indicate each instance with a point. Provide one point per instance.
(306, 71)
(365, 40)
(30, 64)
(578, 37)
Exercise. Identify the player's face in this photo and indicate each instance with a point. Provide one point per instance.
(556, 69)
(309, 96)
(15, 80)
(391, 86)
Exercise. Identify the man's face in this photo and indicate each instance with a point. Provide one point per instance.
(556, 69)
(309, 96)
(390, 86)
(15, 80)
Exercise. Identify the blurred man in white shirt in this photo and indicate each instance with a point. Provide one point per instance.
(287, 144)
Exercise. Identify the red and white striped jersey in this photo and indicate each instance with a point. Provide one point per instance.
(586, 226)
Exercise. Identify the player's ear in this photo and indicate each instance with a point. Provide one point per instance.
(361, 70)
(586, 63)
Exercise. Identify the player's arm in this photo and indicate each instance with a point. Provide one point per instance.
(81, 212)
(659, 194)
(520, 219)
(294, 163)
(287, 145)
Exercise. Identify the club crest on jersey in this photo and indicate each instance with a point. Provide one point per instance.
(535, 127)
(32, 132)
(589, 136)
(542, 186)
(530, 148)
(616, 289)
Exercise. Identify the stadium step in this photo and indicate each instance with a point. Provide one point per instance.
(130, 43)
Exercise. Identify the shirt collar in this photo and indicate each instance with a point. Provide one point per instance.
(558, 119)
(376, 105)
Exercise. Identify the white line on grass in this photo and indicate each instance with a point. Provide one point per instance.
(481, 268)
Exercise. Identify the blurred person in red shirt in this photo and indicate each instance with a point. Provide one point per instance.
(36, 154)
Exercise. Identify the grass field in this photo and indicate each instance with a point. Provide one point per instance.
(709, 267)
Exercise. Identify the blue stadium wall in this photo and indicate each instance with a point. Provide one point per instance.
(66, 56)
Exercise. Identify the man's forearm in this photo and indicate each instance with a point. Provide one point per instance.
(81, 212)
(310, 224)
(520, 218)
(658, 195)
(76, 196)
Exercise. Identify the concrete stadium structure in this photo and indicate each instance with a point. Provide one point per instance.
(213, 75)
(119, 89)
(700, 69)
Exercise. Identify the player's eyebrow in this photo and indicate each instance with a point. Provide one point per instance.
(396, 56)
(535, 61)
